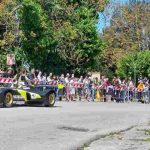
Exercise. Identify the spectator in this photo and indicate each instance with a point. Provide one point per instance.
(50, 77)
(86, 83)
(93, 90)
(9, 73)
(80, 88)
(39, 77)
(44, 78)
(22, 79)
(1, 73)
(104, 87)
(81, 79)
(36, 73)
(131, 88)
(67, 78)
(140, 89)
(146, 93)
(145, 80)
(55, 78)
(62, 78)
(72, 88)
(61, 83)
(123, 91)
(31, 75)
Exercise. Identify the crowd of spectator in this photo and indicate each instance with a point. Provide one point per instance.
(85, 88)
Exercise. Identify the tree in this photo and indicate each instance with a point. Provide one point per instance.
(8, 29)
(78, 40)
(134, 64)
(68, 38)
(37, 35)
(128, 32)
(75, 31)
(54, 35)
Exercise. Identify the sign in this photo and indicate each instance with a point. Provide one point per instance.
(10, 59)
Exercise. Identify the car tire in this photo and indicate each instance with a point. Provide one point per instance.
(8, 99)
(50, 100)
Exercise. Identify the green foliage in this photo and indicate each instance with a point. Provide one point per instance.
(74, 24)
(54, 35)
(134, 63)
(36, 33)
(129, 32)
(78, 40)
(9, 29)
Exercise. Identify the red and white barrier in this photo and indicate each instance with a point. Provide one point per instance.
(78, 85)
(6, 80)
(53, 83)
(36, 82)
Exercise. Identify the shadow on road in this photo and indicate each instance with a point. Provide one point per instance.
(35, 105)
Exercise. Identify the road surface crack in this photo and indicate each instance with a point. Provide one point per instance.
(100, 136)
(78, 129)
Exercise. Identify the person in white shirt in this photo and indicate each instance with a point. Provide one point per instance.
(44, 78)
(67, 85)
(39, 77)
(67, 78)
(50, 77)
(72, 88)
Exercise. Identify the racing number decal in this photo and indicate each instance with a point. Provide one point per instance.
(33, 96)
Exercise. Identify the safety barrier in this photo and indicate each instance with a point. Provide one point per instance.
(6, 80)
(125, 95)
(36, 82)
(97, 92)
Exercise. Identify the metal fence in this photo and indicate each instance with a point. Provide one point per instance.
(105, 95)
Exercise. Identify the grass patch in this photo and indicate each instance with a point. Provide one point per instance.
(140, 129)
(147, 132)
(117, 135)
(85, 147)
(147, 140)
(141, 140)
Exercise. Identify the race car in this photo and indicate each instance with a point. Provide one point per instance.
(37, 94)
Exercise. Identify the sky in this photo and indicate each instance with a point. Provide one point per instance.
(104, 22)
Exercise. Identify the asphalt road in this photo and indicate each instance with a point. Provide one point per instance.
(66, 126)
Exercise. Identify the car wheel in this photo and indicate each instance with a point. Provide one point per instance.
(8, 99)
(50, 100)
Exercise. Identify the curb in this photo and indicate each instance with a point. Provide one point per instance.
(101, 134)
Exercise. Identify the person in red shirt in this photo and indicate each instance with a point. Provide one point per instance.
(123, 91)
(104, 87)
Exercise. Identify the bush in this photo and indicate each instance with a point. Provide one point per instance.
(134, 64)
